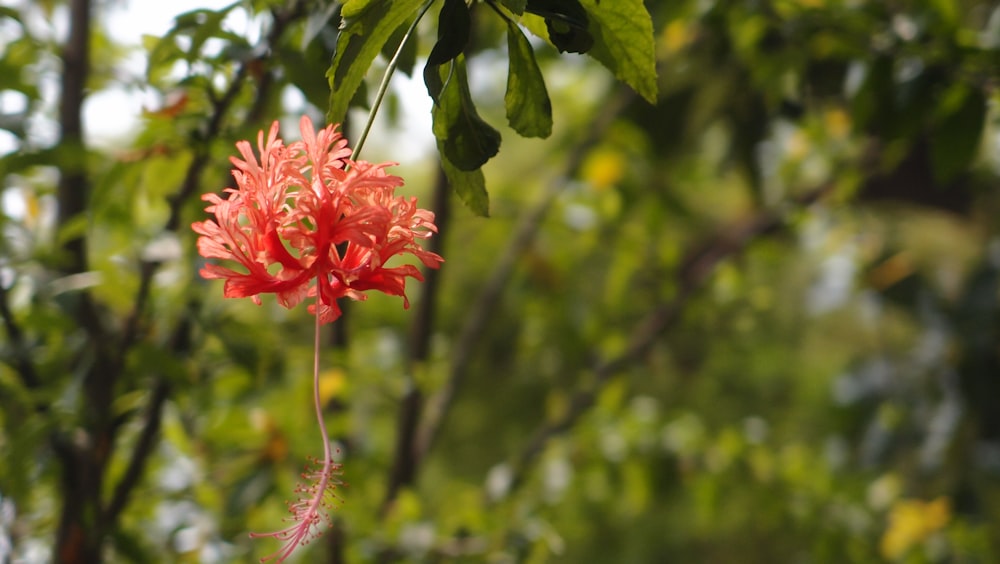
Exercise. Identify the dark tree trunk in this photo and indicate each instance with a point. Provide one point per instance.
(83, 451)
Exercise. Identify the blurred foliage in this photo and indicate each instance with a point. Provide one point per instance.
(754, 321)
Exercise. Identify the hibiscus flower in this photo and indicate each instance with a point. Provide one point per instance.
(307, 221)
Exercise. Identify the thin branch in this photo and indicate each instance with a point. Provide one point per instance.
(406, 459)
(692, 274)
(384, 84)
(481, 311)
(141, 453)
(423, 316)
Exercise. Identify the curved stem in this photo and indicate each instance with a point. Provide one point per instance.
(384, 85)
(317, 402)
(306, 512)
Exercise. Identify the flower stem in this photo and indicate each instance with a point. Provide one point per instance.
(384, 85)
(317, 401)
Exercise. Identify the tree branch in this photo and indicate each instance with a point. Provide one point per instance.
(140, 454)
(424, 316)
(73, 186)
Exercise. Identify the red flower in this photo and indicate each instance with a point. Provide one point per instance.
(305, 212)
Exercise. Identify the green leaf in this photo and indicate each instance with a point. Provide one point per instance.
(454, 22)
(352, 8)
(367, 25)
(872, 102)
(515, 6)
(623, 42)
(198, 26)
(11, 13)
(16, 395)
(565, 22)
(433, 82)
(463, 137)
(408, 56)
(469, 185)
(300, 66)
(201, 25)
(956, 139)
(529, 110)
(17, 162)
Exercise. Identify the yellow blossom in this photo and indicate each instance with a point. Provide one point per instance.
(911, 521)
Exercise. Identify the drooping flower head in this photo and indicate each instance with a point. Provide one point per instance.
(307, 221)
(305, 212)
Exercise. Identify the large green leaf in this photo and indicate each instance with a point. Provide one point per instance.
(366, 26)
(463, 137)
(469, 185)
(623, 42)
(619, 35)
(529, 110)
